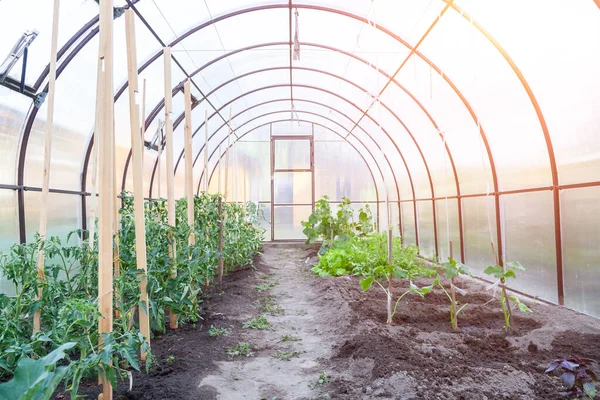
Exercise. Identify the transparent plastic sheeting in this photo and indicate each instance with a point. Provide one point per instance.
(481, 105)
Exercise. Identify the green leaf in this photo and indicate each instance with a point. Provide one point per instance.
(495, 270)
(36, 379)
(589, 389)
(510, 274)
(366, 283)
(515, 265)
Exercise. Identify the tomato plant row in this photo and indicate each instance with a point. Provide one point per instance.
(69, 306)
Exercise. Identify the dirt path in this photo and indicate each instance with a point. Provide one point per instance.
(328, 328)
(298, 332)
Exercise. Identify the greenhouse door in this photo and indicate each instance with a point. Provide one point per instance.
(292, 185)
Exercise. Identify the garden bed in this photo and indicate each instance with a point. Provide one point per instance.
(342, 331)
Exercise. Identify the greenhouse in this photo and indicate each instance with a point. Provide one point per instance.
(303, 199)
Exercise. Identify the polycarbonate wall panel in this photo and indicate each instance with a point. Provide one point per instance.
(292, 187)
(9, 217)
(529, 239)
(288, 220)
(408, 223)
(448, 229)
(581, 234)
(337, 166)
(426, 231)
(20, 16)
(479, 224)
(292, 154)
(64, 214)
(573, 124)
(13, 108)
(498, 99)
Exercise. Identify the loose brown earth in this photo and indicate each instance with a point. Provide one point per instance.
(342, 331)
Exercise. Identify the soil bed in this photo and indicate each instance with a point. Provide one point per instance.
(329, 324)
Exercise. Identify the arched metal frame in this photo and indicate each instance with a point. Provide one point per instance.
(555, 188)
(377, 201)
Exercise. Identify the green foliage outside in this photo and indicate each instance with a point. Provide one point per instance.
(69, 303)
(324, 226)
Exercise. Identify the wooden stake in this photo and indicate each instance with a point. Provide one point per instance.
(219, 174)
(106, 149)
(206, 151)
(47, 157)
(221, 266)
(453, 295)
(138, 177)
(170, 170)
(227, 156)
(189, 172)
(143, 118)
(93, 198)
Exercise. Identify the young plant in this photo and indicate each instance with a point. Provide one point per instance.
(286, 355)
(452, 270)
(502, 274)
(216, 331)
(240, 349)
(259, 322)
(289, 338)
(577, 375)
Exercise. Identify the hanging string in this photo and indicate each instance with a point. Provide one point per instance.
(296, 53)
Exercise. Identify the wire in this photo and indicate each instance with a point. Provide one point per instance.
(183, 47)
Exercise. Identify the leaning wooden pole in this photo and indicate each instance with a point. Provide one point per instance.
(170, 170)
(47, 156)
(221, 261)
(189, 171)
(206, 151)
(225, 195)
(106, 150)
(138, 177)
(94, 178)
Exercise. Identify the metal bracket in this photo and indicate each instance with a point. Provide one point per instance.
(39, 99)
(118, 11)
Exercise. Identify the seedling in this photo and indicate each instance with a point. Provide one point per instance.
(286, 355)
(170, 358)
(578, 377)
(502, 274)
(452, 270)
(289, 338)
(216, 331)
(265, 287)
(240, 349)
(272, 309)
(321, 381)
(403, 266)
(259, 322)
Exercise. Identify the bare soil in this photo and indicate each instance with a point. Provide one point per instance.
(338, 329)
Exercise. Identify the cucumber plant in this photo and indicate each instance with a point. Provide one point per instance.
(454, 269)
(502, 274)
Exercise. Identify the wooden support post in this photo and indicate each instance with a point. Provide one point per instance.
(189, 172)
(106, 157)
(206, 151)
(93, 199)
(143, 118)
(227, 156)
(221, 263)
(47, 156)
(219, 173)
(138, 177)
(170, 170)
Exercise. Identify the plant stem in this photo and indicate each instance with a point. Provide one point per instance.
(389, 300)
(453, 306)
(507, 310)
